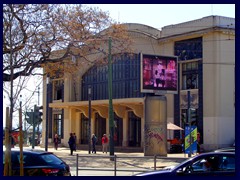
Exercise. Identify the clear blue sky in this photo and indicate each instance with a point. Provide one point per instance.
(160, 15)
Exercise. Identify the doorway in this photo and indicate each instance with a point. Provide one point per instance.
(134, 130)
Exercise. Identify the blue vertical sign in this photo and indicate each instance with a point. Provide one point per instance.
(193, 147)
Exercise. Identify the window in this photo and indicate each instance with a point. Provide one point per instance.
(58, 125)
(84, 129)
(125, 79)
(190, 75)
(188, 49)
(58, 89)
(216, 163)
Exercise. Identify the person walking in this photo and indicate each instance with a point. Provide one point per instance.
(94, 141)
(71, 143)
(104, 143)
(55, 141)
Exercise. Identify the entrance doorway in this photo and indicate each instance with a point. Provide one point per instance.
(118, 130)
(134, 130)
(100, 127)
(84, 129)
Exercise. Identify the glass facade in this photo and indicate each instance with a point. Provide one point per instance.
(125, 79)
(188, 49)
(84, 129)
(58, 125)
(191, 74)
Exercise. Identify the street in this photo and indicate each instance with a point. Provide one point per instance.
(100, 165)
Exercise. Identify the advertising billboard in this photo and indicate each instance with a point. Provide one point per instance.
(159, 74)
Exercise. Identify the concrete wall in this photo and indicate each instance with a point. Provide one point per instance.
(218, 90)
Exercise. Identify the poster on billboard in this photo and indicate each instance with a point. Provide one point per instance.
(159, 74)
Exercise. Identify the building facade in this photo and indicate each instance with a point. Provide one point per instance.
(206, 67)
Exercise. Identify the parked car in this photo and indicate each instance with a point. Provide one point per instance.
(205, 164)
(225, 149)
(38, 163)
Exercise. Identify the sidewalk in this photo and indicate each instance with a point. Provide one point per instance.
(124, 160)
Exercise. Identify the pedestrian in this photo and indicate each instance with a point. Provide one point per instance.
(104, 143)
(71, 143)
(94, 141)
(55, 141)
(75, 145)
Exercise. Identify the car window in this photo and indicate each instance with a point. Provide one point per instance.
(214, 164)
(51, 159)
(228, 163)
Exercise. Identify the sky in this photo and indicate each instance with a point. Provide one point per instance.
(160, 15)
(157, 16)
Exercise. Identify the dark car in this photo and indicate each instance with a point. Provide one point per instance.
(225, 149)
(206, 164)
(38, 163)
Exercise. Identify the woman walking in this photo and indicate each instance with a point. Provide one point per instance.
(104, 143)
(55, 140)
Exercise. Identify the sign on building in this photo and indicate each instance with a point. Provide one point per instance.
(190, 145)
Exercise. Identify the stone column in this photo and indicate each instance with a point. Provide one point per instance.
(155, 129)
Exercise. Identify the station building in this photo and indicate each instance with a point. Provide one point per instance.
(206, 67)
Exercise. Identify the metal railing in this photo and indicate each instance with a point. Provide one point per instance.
(114, 160)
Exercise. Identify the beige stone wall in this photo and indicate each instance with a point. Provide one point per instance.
(218, 78)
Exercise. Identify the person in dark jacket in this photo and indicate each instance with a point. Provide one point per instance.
(56, 141)
(71, 143)
(94, 141)
(75, 145)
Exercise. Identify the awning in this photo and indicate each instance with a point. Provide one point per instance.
(171, 126)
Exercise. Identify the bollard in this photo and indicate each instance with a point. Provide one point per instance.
(155, 162)
(115, 165)
(77, 166)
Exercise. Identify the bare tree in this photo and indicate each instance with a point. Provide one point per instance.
(38, 34)
(44, 35)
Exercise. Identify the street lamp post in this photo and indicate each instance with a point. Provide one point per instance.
(47, 118)
(110, 110)
(89, 119)
(189, 122)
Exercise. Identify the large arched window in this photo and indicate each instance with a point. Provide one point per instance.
(125, 79)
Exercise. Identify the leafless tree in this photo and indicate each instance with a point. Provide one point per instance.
(45, 35)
